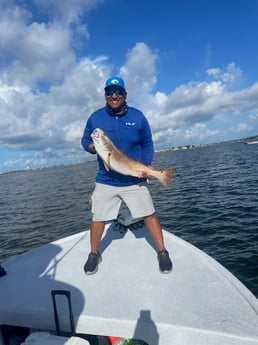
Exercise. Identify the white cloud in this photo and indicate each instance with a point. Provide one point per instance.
(67, 11)
(139, 70)
(37, 52)
(231, 77)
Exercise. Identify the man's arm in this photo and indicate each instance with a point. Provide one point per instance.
(86, 140)
(147, 143)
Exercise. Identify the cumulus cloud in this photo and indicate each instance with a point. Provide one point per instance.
(33, 52)
(232, 77)
(67, 11)
(139, 70)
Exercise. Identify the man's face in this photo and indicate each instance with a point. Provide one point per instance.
(115, 97)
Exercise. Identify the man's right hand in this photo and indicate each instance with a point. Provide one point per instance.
(91, 148)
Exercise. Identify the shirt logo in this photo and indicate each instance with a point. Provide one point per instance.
(130, 123)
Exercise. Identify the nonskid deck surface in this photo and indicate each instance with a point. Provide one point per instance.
(199, 302)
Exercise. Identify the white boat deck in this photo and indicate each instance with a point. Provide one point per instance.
(199, 302)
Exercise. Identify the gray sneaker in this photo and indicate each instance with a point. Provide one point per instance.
(91, 265)
(165, 264)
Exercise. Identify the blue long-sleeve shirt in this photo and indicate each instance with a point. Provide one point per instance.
(130, 133)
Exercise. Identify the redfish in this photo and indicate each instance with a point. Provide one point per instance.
(115, 159)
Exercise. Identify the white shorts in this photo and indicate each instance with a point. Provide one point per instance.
(106, 201)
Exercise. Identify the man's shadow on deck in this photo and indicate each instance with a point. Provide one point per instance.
(115, 232)
(146, 329)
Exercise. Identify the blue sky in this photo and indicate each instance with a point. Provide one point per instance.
(189, 65)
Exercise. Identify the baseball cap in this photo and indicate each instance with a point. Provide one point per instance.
(115, 81)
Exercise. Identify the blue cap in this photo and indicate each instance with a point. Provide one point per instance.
(115, 81)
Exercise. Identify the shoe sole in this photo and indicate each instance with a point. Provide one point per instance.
(88, 273)
(166, 271)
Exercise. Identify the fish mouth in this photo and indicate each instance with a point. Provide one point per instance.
(95, 133)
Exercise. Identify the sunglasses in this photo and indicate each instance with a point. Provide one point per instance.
(118, 92)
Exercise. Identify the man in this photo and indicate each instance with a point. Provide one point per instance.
(129, 130)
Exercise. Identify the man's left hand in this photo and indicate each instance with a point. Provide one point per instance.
(145, 174)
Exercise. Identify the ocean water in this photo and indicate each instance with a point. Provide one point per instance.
(212, 202)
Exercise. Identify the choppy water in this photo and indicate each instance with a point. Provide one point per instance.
(212, 202)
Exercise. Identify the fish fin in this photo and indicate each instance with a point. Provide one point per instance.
(164, 176)
(106, 167)
(107, 164)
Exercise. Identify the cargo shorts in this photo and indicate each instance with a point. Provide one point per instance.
(106, 201)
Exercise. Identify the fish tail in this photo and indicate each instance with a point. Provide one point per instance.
(164, 176)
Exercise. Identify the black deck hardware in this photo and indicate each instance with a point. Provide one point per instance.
(66, 293)
(92, 338)
(2, 271)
